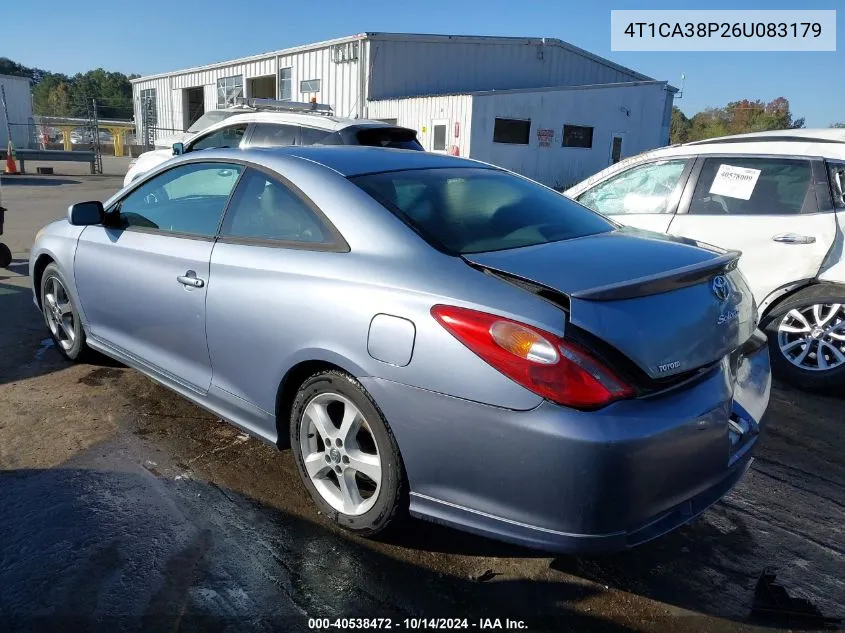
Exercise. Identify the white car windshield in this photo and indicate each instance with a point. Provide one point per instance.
(208, 119)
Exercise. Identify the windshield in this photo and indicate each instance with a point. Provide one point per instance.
(210, 118)
(396, 137)
(471, 210)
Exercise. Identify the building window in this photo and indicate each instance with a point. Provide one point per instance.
(512, 131)
(285, 84)
(577, 136)
(309, 85)
(148, 107)
(229, 89)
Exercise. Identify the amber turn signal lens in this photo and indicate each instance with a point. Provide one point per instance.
(522, 342)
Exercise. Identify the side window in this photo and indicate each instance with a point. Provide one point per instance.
(753, 186)
(224, 137)
(837, 182)
(643, 189)
(273, 135)
(263, 208)
(314, 136)
(186, 199)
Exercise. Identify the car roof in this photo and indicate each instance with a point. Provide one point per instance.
(823, 143)
(822, 135)
(322, 122)
(347, 160)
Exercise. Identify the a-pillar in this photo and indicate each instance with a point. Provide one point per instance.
(66, 130)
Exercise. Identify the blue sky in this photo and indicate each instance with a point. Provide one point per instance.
(153, 36)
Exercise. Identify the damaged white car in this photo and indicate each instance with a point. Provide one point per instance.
(779, 197)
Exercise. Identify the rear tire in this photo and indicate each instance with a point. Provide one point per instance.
(61, 315)
(329, 453)
(806, 333)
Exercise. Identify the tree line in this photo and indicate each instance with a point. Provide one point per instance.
(57, 94)
(738, 117)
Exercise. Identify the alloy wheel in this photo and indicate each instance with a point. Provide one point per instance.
(58, 311)
(813, 337)
(340, 453)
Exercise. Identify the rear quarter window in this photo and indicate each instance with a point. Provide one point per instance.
(397, 138)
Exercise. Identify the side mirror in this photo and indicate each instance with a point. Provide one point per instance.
(86, 213)
(178, 149)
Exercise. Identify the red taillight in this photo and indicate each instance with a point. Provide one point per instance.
(539, 361)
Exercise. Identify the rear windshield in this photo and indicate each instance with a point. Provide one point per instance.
(471, 210)
(210, 118)
(396, 137)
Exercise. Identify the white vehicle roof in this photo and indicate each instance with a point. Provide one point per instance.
(322, 122)
(811, 143)
(824, 143)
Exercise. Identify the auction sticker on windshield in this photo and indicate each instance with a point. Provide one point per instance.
(734, 182)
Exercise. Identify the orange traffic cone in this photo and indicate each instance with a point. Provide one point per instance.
(11, 167)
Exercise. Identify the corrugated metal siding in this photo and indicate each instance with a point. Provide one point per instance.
(19, 105)
(168, 109)
(339, 82)
(603, 109)
(413, 67)
(419, 112)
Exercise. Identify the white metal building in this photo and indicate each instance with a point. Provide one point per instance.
(19, 106)
(557, 136)
(450, 88)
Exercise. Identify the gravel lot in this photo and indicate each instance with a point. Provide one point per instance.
(124, 507)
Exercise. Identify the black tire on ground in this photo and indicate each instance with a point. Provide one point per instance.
(809, 380)
(79, 349)
(5, 255)
(390, 502)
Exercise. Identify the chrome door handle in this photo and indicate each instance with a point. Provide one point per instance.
(190, 279)
(793, 238)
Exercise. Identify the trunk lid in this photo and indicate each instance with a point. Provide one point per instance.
(668, 304)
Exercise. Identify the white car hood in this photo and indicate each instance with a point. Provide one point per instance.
(145, 162)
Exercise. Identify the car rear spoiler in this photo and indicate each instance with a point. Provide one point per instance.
(662, 282)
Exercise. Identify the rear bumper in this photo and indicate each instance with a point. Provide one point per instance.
(565, 480)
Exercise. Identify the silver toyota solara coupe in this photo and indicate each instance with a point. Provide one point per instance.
(427, 333)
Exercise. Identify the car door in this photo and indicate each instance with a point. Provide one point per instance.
(644, 196)
(776, 210)
(142, 277)
(229, 136)
(272, 242)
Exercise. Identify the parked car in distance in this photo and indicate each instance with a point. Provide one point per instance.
(777, 197)
(262, 127)
(427, 333)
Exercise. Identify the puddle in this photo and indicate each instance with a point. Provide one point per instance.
(46, 344)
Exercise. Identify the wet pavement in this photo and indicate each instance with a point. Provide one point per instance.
(124, 507)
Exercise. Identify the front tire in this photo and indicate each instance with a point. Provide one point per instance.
(806, 335)
(346, 454)
(61, 315)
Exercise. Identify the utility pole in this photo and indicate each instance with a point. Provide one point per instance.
(98, 154)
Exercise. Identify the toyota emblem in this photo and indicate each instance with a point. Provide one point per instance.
(720, 287)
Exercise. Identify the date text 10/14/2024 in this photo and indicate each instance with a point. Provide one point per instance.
(414, 624)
